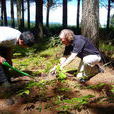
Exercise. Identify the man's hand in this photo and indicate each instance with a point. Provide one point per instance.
(1, 60)
(53, 70)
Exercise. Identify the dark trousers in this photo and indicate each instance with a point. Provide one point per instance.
(5, 52)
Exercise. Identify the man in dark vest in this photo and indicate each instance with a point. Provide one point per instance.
(79, 46)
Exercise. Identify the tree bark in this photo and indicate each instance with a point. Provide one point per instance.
(19, 13)
(64, 13)
(108, 14)
(28, 8)
(2, 19)
(78, 14)
(47, 14)
(39, 18)
(5, 13)
(90, 19)
(12, 14)
(22, 21)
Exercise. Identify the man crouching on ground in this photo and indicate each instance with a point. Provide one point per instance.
(79, 46)
(10, 37)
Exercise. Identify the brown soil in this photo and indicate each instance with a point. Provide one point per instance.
(35, 104)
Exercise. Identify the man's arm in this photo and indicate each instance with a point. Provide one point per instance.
(68, 60)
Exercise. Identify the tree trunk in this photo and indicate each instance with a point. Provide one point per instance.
(12, 14)
(47, 14)
(78, 14)
(5, 13)
(64, 13)
(90, 19)
(22, 21)
(2, 19)
(28, 8)
(19, 13)
(39, 18)
(0, 11)
(108, 15)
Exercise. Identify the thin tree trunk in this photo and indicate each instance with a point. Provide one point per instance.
(22, 21)
(39, 18)
(37, 10)
(108, 15)
(2, 19)
(78, 13)
(19, 13)
(28, 8)
(90, 19)
(47, 14)
(5, 13)
(12, 14)
(0, 11)
(64, 13)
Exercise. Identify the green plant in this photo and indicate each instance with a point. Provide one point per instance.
(107, 47)
(61, 75)
(54, 41)
(39, 108)
(112, 89)
(40, 84)
(64, 89)
(73, 103)
(101, 85)
(24, 91)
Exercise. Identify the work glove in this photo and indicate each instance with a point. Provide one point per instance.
(62, 60)
(53, 70)
(2, 60)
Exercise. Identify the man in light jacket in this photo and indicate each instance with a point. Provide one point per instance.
(9, 37)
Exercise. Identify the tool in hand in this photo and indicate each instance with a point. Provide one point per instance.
(8, 65)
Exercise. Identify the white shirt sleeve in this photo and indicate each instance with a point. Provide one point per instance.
(69, 59)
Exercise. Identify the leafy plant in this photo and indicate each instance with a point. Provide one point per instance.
(96, 86)
(107, 47)
(60, 73)
(39, 108)
(25, 91)
(54, 41)
(64, 89)
(40, 84)
(112, 90)
(73, 103)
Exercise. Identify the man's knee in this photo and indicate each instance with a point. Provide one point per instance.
(91, 60)
(86, 61)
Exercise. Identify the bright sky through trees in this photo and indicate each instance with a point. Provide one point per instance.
(56, 13)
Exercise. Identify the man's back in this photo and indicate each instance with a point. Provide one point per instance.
(8, 36)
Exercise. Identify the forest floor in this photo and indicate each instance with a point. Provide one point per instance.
(45, 93)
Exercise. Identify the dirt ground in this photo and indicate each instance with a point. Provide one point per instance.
(13, 104)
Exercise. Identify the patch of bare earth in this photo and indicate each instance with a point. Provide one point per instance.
(35, 103)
